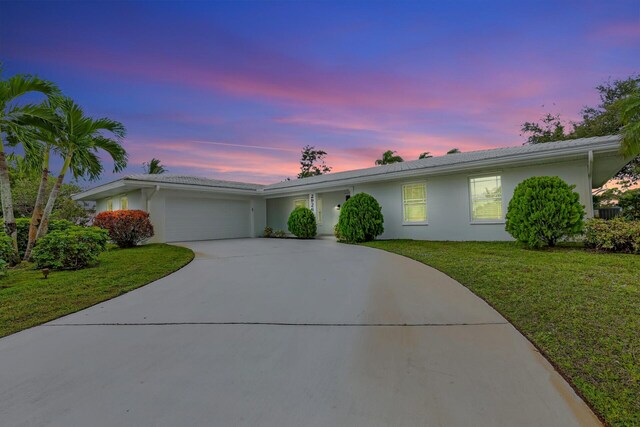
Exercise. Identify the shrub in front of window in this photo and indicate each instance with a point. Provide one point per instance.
(616, 235)
(71, 249)
(127, 228)
(360, 219)
(629, 201)
(302, 223)
(543, 210)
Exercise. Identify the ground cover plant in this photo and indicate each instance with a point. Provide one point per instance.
(28, 299)
(580, 307)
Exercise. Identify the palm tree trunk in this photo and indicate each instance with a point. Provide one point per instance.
(7, 202)
(38, 209)
(44, 223)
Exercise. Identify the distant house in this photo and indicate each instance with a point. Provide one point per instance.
(454, 197)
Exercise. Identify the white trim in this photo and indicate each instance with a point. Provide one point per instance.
(426, 197)
(473, 221)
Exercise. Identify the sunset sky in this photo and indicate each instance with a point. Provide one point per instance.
(234, 90)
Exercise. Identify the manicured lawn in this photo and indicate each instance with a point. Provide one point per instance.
(27, 299)
(581, 308)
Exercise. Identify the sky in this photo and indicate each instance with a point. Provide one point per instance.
(234, 90)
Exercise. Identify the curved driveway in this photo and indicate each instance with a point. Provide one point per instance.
(265, 332)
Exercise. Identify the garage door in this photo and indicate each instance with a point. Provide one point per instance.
(205, 219)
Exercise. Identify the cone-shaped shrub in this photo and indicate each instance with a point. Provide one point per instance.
(126, 228)
(302, 223)
(543, 210)
(360, 219)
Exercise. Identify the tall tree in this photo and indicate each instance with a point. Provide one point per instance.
(15, 126)
(454, 151)
(629, 108)
(312, 162)
(425, 155)
(153, 167)
(604, 119)
(79, 140)
(389, 157)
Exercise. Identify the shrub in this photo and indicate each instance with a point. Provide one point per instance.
(23, 230)
(360, 219)
(268, 232)
(7, 255)
(126, 228)
(279, 234)
(616, 235)
(71, 249)
(629, 201)
(543, 210)
(302, 223)
(336, 232)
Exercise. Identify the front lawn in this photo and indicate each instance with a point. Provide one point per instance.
(581, 308)
(27, 299)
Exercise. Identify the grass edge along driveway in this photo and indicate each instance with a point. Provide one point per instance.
(27, 299)
(579, 307)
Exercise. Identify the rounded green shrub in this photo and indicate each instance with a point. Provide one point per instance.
(71, 249)
(360, 219)
(543, 210)
(23, 230)
(302, 223)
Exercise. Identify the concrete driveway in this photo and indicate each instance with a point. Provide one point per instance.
(269, 332)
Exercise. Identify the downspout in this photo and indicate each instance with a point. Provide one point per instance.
(590, 212)
(150, 196)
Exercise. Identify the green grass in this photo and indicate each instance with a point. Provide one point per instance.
(581, 308)
(27, 299)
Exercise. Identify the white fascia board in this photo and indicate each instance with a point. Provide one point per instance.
(564, 154)
(121, 185)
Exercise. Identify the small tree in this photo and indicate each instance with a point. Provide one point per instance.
(543, 210)
(302, 223)
(360, 219)
(629, 201)
(425, 155)
(312, 162)
(454, 151)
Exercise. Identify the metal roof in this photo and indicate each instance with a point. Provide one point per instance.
(192, 180)
(434, 163)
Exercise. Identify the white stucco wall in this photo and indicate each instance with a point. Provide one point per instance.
(448, 203)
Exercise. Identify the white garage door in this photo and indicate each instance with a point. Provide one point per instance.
(204, 219)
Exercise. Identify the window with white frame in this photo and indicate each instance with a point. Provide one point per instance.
(486, 198)
(298, 203)
(109, 204)
(124, 203)
(414, 203)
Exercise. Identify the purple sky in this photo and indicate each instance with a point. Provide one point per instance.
(234, 90)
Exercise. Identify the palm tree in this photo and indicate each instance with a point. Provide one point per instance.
(425, 155)
(389, 157)
(629, 108)
(15, 127)
(454, 151)
(79, 139)
(153, 167)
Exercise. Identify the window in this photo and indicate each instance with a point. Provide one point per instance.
(300, 203)
(109, 204)
(486, 198)
(124, 203)
(319, 208)
(414, 203)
